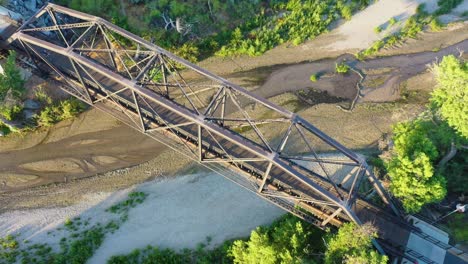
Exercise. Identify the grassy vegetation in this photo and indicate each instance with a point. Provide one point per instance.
(412, 27)
(342, 68)
(77, 246)
(152, 254)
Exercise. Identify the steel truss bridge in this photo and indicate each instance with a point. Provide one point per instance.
(261, 146)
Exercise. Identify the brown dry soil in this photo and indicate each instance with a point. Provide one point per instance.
(94, 144)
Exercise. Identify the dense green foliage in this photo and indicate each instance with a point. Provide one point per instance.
(294, 21)
(11, 80)
(416, 173)
(341, 68)
(414, 179)
(353, 244)
(225, 27)
(54, 113)
(314, 77)
(451, 93)
(11, 113)
(286, 241)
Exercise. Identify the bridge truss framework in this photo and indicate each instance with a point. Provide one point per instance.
(281, 157)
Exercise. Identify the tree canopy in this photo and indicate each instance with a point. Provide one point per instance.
(286, 241)
(451, 93)
(11, 80)
(353, 244)
(418, 168)
(413, 177)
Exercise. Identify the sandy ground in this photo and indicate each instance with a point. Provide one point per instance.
(218, 209)
(358, 33)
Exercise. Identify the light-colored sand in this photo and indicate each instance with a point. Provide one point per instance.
(178, 213)
(54, 165)
(358, 33)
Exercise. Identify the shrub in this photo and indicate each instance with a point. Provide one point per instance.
(70, 108)
(11, 113)
(353, 244)
(42, 96)
(341, 68)
(11, 79)
(346, 12)
(67, 109)
(188, 51)
(392, 21)
(313, 77)
(435, 24)
(286, 241)
(378, 29)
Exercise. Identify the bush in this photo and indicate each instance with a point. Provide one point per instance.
(346, 12)
(11, 80)
(42, 96)
(341, 68)
(353, 244)
(67, 109)
(11, 113)
(188, 51)
(313, 77)
(285, 241)
(392, 21)
(435, 24)
(378, 29)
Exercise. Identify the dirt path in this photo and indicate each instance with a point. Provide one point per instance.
(391, 72)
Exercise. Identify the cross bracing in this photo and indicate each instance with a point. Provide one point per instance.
(279, 155)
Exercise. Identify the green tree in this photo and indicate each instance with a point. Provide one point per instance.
(11, 79)
(414, 180)
(286, 241)
(353, 244)
(451, 94)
